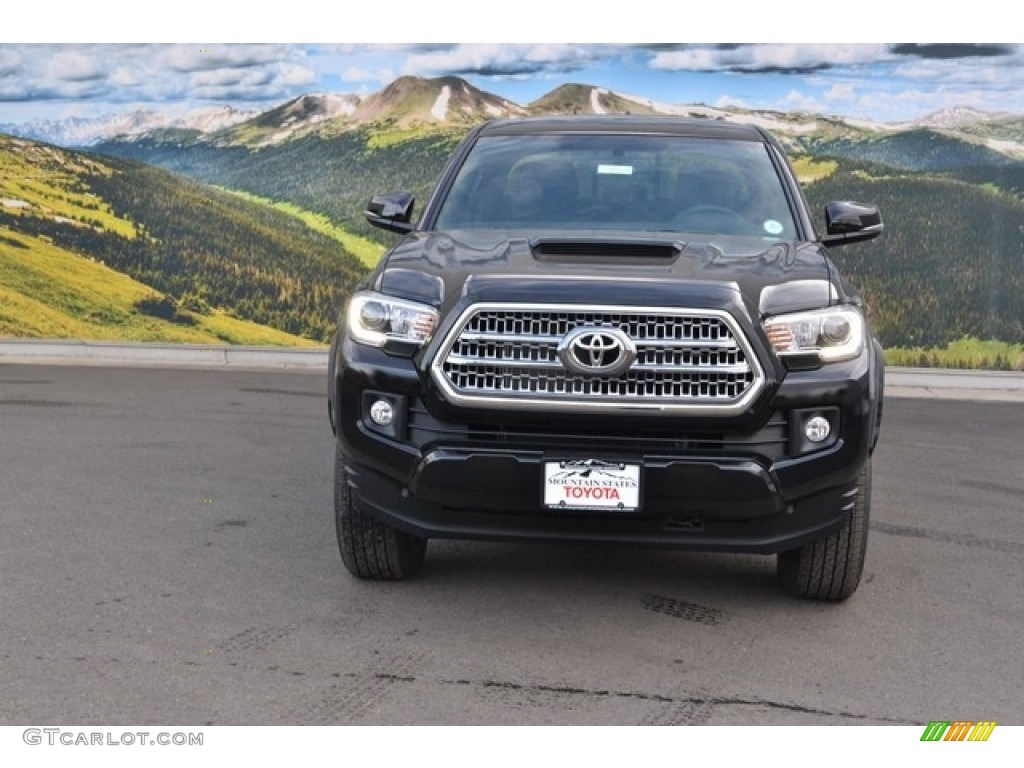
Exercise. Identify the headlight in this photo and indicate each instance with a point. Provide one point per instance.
(375, 319)
(834, 334)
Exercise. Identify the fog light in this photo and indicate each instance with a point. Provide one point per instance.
(817, 429)
(382, 413)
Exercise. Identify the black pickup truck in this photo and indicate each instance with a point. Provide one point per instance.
(610, 329)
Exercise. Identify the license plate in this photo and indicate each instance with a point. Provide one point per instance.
(591, 484)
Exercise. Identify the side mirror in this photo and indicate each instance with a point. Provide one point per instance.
(849, 222)
(391, 212)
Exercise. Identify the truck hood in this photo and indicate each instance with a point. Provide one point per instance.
(439, 268)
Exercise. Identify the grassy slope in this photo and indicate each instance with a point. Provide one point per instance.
(54, 290)
(364, 249)
(48, 181)
(947, 266)
(916, 150)
(329, 174)
(384, 135)
(963, 353)
(48, 292)
(809, 170)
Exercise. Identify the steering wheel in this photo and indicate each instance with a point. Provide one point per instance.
(711, 214)
(595, 212)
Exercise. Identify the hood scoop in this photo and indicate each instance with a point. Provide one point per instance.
(580, 250)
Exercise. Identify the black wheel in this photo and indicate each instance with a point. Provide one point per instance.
(369, 548)
(830, 568)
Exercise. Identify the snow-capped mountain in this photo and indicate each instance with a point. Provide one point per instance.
(957, 117)
(427, 103)
(285, 121)
(405, 103)
(410, 100)
(87, 131)
(575, 98)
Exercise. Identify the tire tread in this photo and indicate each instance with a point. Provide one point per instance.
(830, 568)
(371, 549)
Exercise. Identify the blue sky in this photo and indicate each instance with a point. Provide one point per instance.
(878, 81)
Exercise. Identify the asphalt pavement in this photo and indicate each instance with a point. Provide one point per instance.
(167, 555)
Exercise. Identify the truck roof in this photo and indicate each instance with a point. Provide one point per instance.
(635, 124)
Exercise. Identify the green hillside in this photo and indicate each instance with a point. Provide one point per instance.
(48, 292)
(949, 264)
(367, 251)
(204, 255)
(329, 175)
(918, 150)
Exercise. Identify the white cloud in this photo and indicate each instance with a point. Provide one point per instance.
(364, 49)
(797, 101)
(725, 101)
(696, 59)
(10, 62)
(161, 73)
(12, 89)
(840, 92)
(494, 58)
(74, 66)
(289, 73)
(770, 57)
(192, 58)
(124, 78)
(231, 77)
(1008, 73)
(363, 75)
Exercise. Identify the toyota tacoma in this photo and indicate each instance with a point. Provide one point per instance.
(610, 329)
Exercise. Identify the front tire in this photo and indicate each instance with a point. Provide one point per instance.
(830, 568)
(369, 548)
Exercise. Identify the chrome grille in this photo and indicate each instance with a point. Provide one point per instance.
(507, 355)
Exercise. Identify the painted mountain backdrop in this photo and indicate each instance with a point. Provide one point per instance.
(951, 188)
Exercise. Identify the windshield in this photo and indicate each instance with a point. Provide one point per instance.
(619, 182)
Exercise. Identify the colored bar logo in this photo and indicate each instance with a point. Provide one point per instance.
(958, 730)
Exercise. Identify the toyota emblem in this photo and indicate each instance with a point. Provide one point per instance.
(597, 351)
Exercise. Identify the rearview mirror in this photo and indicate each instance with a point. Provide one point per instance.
(849, 222)
(391, 212)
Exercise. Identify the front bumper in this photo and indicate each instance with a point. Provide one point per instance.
(744, 484)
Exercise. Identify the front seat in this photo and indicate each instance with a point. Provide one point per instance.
(541, 189)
